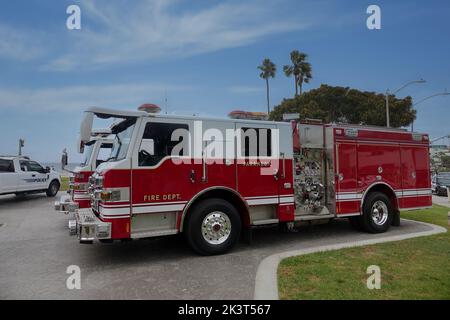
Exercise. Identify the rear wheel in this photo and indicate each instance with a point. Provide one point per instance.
(377, 213)
(53, 188)
(213, 227)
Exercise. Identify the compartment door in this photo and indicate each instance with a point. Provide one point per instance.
(347, 197)
(416, 185)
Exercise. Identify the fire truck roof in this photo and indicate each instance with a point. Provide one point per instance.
(113, 113)
(127, 114)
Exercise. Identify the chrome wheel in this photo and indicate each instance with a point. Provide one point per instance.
(216, 227)
(379, 213)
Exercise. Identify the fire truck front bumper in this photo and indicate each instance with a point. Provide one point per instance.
(90, 228)
(65, 204)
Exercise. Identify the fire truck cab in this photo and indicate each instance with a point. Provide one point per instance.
(95, 151)
(209, 178)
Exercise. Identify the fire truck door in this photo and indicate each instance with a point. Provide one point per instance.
(347, 201)
(257, 173)
(162, 182)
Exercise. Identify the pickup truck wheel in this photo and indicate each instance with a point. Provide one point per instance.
(377, 213)
(213, 227)
(53, 188)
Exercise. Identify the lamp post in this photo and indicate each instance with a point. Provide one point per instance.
(21, 145)
(445, 93)
(387, 97)
(436, 139)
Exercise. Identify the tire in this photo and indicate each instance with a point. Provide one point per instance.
(53, 188)
(377, 213)
(213, 227)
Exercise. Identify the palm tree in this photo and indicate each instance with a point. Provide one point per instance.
(268, 70)
(300, 69)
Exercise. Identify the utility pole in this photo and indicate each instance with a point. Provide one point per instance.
(21, 145)
(387, 97)
(165, 101)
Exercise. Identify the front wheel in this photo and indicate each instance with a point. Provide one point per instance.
(213, 227)
(53, 188)
(377, 213)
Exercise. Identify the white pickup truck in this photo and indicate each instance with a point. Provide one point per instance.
(20, 175)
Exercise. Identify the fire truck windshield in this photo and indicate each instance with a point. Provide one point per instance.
(122, 141)
(87, 153)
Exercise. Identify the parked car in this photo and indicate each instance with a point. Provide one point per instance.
(440, 182)
(19, 175)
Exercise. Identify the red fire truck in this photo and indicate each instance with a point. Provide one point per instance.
(210, 178)
(95, 151)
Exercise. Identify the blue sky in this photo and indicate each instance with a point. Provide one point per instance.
(203, 56)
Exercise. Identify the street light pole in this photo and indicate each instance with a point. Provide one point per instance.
(436, 139)
(387, 108)
(395, 92)
(21, 145)
(445, 93)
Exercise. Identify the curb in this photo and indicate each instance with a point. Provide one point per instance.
(266, 282)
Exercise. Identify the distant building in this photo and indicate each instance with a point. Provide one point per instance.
(436, 151)
(238, 114)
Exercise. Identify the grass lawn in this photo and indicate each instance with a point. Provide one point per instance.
(410, 269)
(64, 183)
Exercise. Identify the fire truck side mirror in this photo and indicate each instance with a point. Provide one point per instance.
(64, 159)
(148, 145)
(80, 146)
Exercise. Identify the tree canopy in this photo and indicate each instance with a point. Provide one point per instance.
(300, 68)
(346, 105)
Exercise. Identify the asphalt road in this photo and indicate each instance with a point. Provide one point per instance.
(443, 201)
(35, 251)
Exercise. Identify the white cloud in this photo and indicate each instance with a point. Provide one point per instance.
(74, 98)
(124, 31)
(18, 45)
